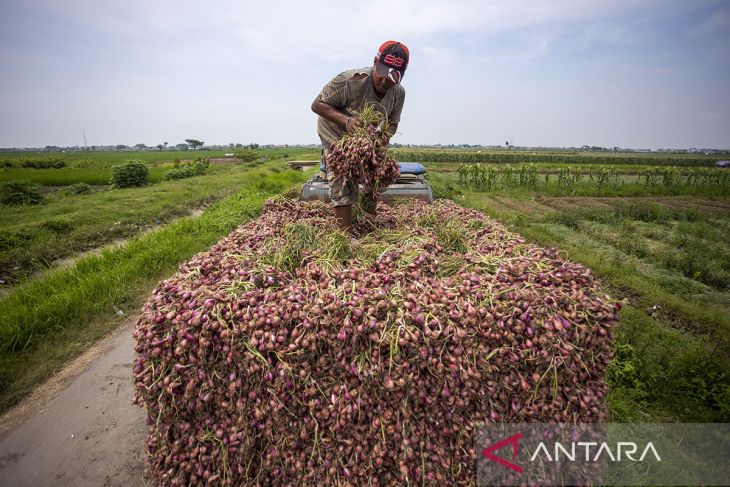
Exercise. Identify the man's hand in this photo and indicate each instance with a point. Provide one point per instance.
(351, 125)
(389, 134)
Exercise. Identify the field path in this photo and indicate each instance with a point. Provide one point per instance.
(80, 428)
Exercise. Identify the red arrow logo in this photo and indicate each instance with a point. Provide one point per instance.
(514, 440)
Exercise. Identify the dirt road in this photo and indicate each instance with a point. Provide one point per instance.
(80, 428)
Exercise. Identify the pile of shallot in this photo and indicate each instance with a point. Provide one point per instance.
(291, 354)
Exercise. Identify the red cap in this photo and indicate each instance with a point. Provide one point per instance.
(392, 60)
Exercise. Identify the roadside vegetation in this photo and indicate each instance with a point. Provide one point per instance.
(668, 256)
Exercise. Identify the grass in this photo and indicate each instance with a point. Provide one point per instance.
(95, 167)
(671, 260)
(47, 321)
(109, 158)
(70, 175)
(33, 237)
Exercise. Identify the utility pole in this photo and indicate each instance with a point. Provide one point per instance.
(86, 146)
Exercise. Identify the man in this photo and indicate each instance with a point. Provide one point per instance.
(344, 97)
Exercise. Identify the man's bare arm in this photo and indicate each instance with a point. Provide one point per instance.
(334, 115)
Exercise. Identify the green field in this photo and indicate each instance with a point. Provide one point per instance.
(96, 167)
(668, 256)
(652, 227)
(51, 318)
(555, 157)
(108, 159)
(34, 237)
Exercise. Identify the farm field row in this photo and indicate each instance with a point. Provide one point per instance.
(107, 159)
(33, 237)
(96, 167)
(594, 180)
(556, 167)
(49, 320)
(670, 258)
(561, 157)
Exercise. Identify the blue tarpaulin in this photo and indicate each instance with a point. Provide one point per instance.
(405, 167)
(411, 168)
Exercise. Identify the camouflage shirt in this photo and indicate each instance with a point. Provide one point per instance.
(349, 92)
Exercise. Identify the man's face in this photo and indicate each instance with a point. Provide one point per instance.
(381, 83)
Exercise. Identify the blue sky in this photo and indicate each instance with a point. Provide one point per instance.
(641, 74)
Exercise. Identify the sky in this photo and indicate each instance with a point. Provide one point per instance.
(555, 73)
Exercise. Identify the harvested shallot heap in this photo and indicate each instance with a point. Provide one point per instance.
(290, 354)
(362, 157)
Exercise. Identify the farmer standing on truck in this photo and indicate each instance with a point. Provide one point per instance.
(344, 97)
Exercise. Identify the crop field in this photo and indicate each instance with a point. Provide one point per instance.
(656, 236)
(63, 285)
(33, 237)
(95, 168)
(652, 228)
(555, 157)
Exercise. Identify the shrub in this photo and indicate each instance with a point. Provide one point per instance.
(200, 165)
(130, 174)
(176, 173)
(77, 188)
(195, 168)
(246, 155)
(42, 163)
(19, 193)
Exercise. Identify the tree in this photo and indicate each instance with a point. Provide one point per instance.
(194, 143)
(182, 147)
(159, 146)
(140, 146)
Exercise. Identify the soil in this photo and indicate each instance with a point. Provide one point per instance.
(224, 160)
(607, 202)
(79, 428)
(530, 207)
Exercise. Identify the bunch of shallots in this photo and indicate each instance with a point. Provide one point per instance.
(362, 157)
